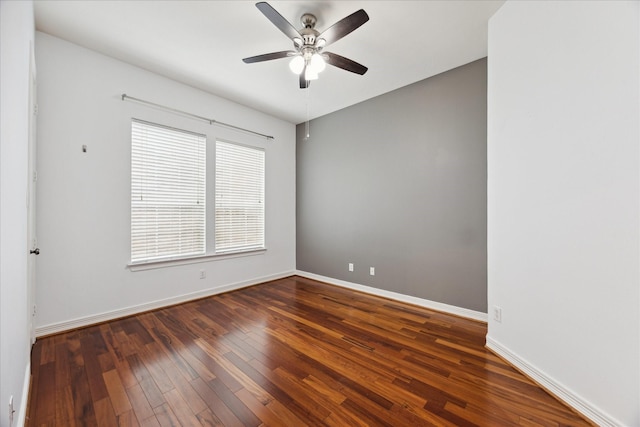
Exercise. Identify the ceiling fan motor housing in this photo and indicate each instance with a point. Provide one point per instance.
(308, 20)
(308, 33)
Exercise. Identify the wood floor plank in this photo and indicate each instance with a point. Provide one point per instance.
(217, 406)
(232, 402)
(119, 358)
(324, 390)
(145, 380)
(152, 362)
(208, 419)
(286, 397)
(92, 366)
(258, 408)
(47, 387)
(117, 393)
(170, 343)
(32, 405)
(175, 375)
(127, 419)
(291, 352)
(125, 345)
(139, 403)
(48, 351)
(286, 415)
(166, 417)
(65, 407)
(104, 413)
(107, 362)
(304, 395)
(150, 422)
(181, 409)
(83, 405)
(219, 372)
(62, 360)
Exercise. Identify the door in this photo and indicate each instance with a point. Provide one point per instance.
(32, 177)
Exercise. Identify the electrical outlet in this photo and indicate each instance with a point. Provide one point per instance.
(497, 314)
(203, 274)
(372, 271)
(350, 266)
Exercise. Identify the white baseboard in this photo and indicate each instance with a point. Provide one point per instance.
(558, 390)
(20, 420)
(432, 305)
(68, 325)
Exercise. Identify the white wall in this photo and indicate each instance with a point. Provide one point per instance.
(564, 200)
(16, 36)
(84, 198)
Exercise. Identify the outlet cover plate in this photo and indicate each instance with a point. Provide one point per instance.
(497, 314)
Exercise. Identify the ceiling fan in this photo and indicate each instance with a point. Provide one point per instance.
(309, 57)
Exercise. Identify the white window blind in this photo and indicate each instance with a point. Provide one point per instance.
(167, 192)
(239, 198)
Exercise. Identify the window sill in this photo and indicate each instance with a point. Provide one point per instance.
(151, 265)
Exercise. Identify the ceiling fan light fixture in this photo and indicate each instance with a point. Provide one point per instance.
(297, 64)
(310, 74)
(317, 63)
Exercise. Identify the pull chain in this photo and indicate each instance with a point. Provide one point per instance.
(306, 130)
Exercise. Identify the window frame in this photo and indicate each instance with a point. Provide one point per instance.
(216, 248)
(212, 136)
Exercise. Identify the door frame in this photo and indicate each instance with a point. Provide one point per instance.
(32, 177)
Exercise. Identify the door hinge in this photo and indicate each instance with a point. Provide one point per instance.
(35, 176)
(35, 109)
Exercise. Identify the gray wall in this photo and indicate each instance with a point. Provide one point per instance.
(399, 182)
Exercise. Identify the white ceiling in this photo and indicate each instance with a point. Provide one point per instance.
(202, 43)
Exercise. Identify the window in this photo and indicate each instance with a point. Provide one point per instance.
(169, 197)
(239, 198)
(167, 192)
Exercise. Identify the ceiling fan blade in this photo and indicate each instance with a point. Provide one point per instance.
(277, 20)
(269, 56)
(344, 26)
(344, 63)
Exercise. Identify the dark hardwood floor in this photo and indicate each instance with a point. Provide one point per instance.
(292, 352)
